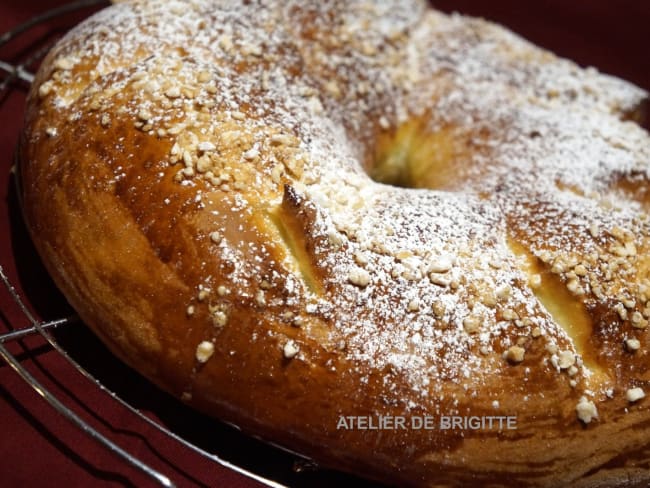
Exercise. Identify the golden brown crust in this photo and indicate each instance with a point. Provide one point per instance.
(195, 180)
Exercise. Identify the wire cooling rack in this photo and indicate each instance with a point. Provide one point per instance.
(13, 75)
(22, 324)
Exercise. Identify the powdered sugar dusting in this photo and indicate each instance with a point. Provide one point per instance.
(420, 284)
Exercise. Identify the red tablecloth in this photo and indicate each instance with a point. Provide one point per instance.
(40, 448)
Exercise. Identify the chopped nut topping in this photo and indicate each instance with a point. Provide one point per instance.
(634, 394)
(509, 314)
(216, 237)
(440, 280)
(359, 277)
(574, 287)
(206, 146)
(219, 318)
(315, 105)
(441, 264)
(438, 309)
(413, 305)
(552, 348)
(566, 359)
(360, 258)
(144, 114)
(222, 291)
(489, 299)
(225, 42)
(251, 49)
(203, 76)
(204, 351)
(586, 410)
(46, 88)
(65, 63)
(190, 310)
(333, 89)
(495, 263)
(629, 249)
(403, 254)
(281, 140)
(251, 154)
(632, 344)
(471, 324)
(638, 321)
(503, 292)
(276, 174)
(628, 303)
(580, 270)
(535, 281)
(173, 92)
(290, 349)
(188, 160)
(515, 354)
(204, 164)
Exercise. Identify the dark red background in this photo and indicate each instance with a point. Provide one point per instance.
(39, 448)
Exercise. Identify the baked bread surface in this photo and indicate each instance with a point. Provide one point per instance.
(289, 213)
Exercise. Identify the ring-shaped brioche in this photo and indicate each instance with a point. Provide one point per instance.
(289, 213)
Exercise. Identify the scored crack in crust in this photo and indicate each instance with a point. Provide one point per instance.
(289, 212)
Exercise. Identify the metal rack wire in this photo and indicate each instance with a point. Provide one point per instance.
(12, 76)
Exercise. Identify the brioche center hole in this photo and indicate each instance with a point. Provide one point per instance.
(412, 156)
